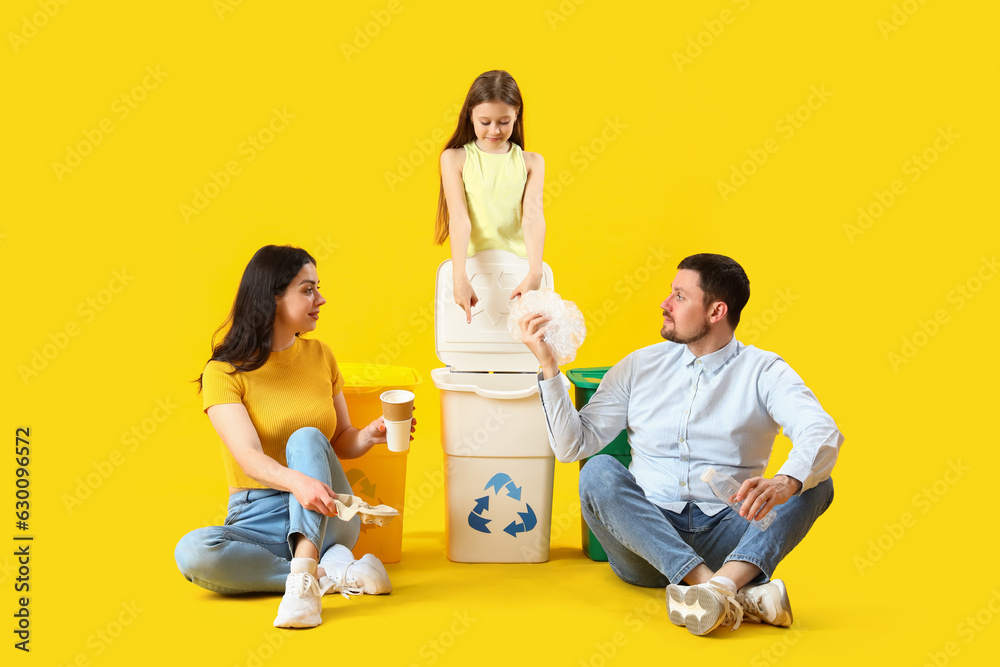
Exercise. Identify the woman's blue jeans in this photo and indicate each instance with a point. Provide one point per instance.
(651, 546)
(252, 552)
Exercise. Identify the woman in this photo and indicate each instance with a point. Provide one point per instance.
(275, 399)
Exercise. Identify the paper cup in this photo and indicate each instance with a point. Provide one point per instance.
(397, 405)
(397, 435)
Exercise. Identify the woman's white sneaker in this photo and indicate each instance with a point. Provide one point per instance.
(301, 606)
(347, 576)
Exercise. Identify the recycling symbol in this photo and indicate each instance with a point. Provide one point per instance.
(498, 483)
(361, 486)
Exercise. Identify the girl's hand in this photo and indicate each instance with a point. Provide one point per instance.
(530, 282)
(313, 495)
(465, 297)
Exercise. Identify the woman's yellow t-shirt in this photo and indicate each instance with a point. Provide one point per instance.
(292, 390)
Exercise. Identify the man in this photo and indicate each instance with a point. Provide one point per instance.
(700, 400)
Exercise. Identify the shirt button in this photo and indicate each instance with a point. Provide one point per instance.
(683, 484)
(698, 362)
(685, 412)
(680, 440)
(684, 460)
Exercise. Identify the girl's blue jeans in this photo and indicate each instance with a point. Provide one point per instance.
(252, 551)
(650, 546)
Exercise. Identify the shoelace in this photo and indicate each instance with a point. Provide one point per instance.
(300, 583)
(346, 586)
(752, 610)
(734, 610)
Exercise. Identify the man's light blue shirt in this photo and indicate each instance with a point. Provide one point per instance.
(684, 414)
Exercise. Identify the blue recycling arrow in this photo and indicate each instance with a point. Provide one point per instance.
(478, 523)
(529, 518)
(482, 504)
(497, 482)
(513, 490)
(514, 528)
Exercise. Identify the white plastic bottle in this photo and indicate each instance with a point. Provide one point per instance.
(725, 486)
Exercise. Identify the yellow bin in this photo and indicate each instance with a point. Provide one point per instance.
(378, 477)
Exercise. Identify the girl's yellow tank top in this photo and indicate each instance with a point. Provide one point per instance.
(494, 189)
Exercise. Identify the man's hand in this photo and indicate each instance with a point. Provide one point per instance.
(760, 495)
(533, 335)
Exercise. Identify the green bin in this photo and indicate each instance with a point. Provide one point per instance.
(586, 381)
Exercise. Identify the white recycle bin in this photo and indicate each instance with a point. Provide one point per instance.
(498, 463)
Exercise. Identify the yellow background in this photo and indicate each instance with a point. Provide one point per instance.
(636, 141)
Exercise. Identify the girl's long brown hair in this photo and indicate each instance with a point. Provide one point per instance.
(493, 86)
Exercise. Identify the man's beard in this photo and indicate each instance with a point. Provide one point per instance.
(673, 337)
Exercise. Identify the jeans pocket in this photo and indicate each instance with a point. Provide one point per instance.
(236, 507)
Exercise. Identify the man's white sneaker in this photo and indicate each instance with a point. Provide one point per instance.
(703, 608)
(347, 576)
(301, 607)
(767, 603)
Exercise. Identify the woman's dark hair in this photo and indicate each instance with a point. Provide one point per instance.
(247, 343)
(721, 278)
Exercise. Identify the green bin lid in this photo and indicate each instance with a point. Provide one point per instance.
(364, 378)
(588, 378)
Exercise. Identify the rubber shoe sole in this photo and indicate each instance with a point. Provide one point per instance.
(695, 607)
(292, 622)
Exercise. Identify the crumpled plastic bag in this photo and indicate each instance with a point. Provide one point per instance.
(566, 329)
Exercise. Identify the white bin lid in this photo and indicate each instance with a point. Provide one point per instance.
(486, 344)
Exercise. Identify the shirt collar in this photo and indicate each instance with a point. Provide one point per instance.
(714, 361)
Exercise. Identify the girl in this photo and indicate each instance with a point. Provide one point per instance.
(275, 400)
(491, 189)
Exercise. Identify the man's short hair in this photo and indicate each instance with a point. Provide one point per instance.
(721, 278)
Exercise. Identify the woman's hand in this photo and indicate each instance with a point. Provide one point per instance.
(312, 494)
(530, 282)
(376, 430)
(465, 297)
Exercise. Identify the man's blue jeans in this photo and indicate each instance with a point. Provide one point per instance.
(252, 552)
(651, 546)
